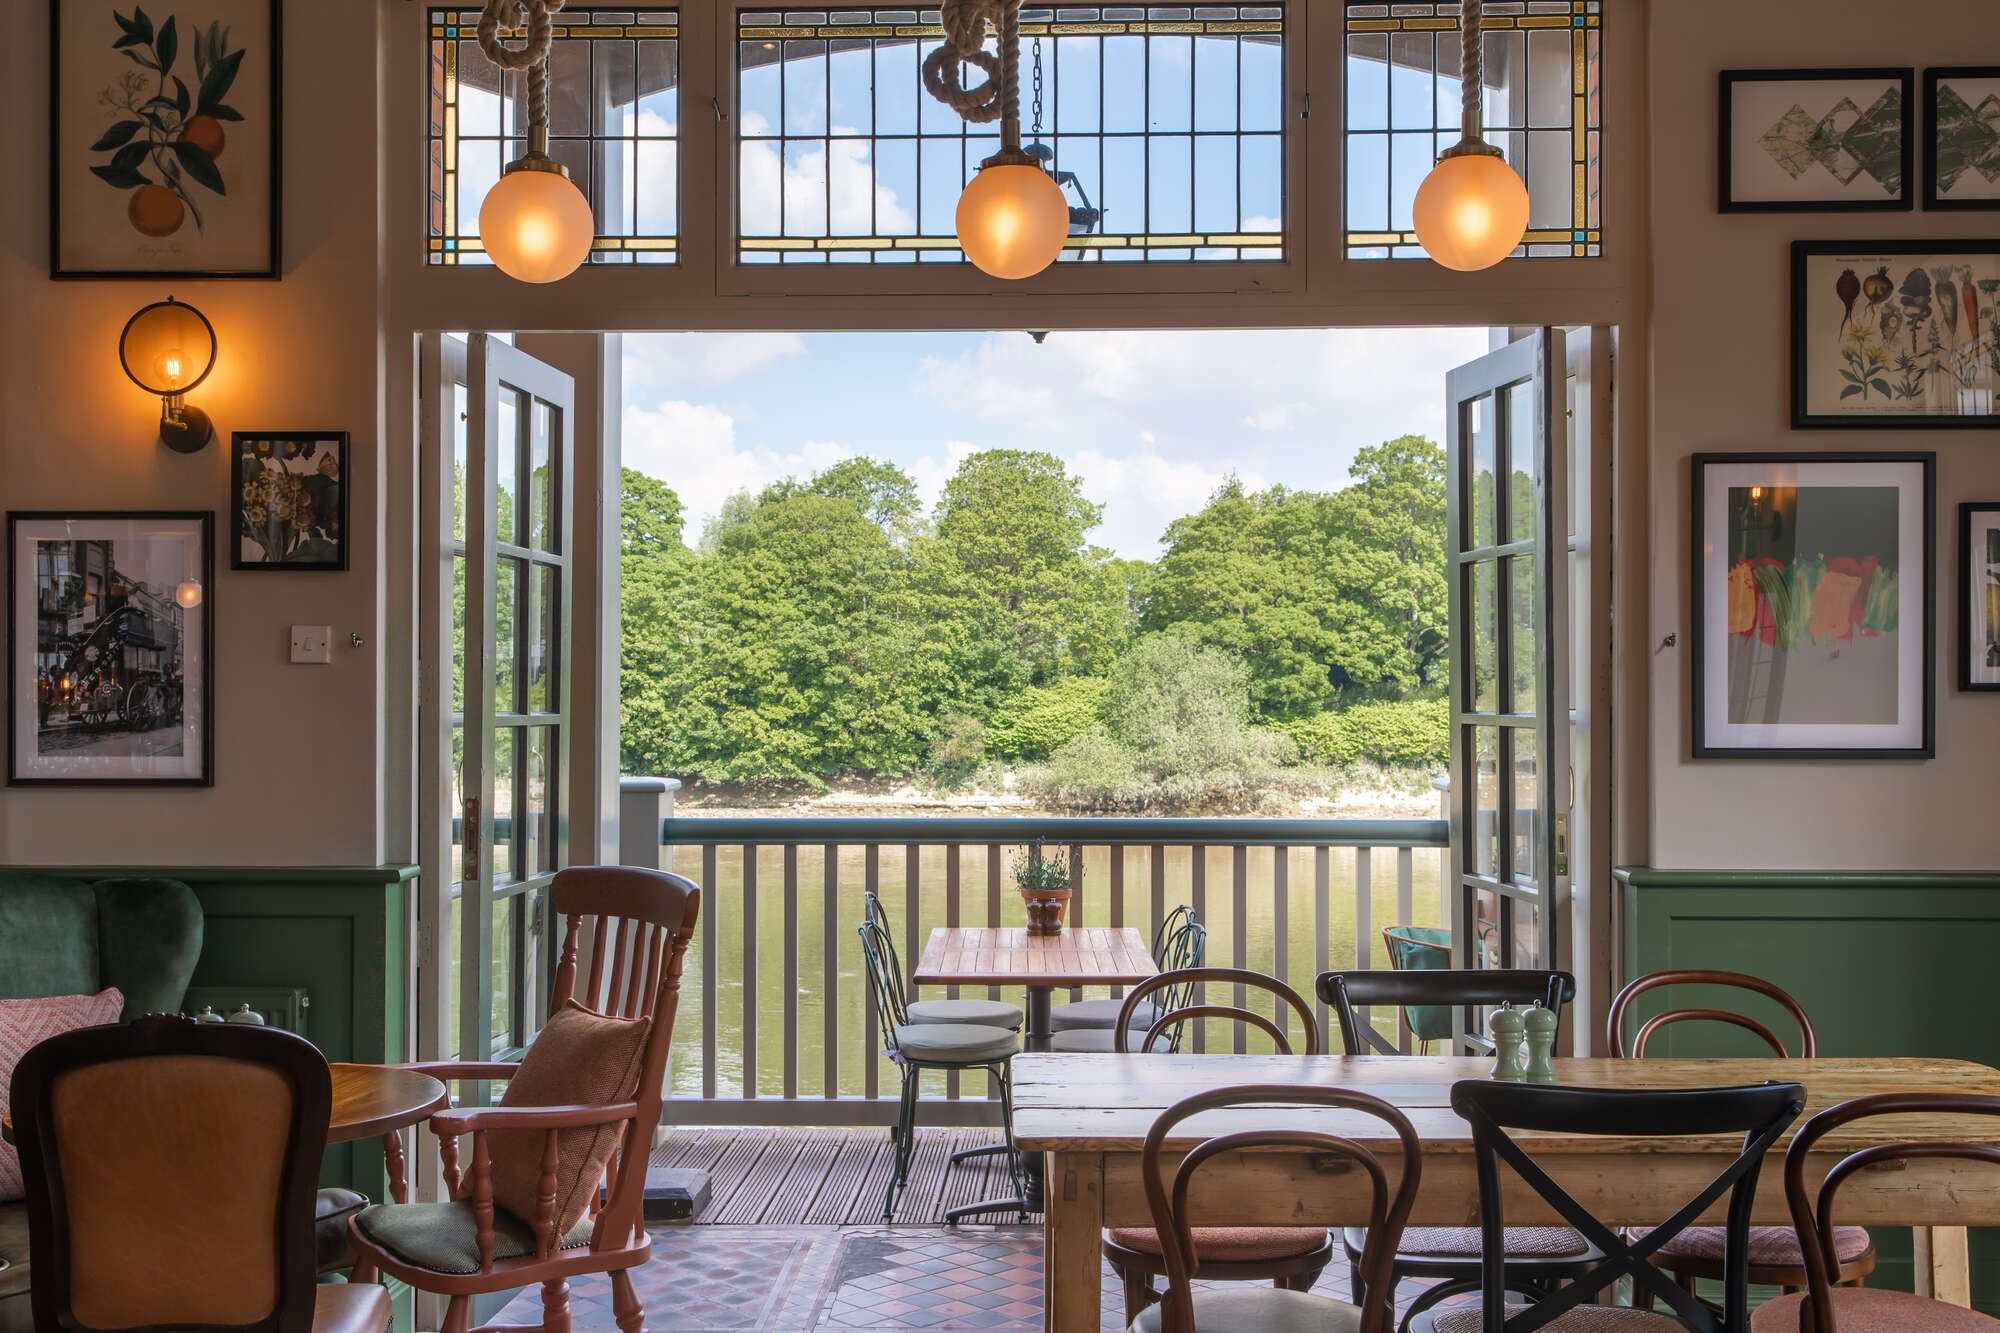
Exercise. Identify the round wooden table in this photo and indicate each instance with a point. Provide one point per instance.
(378, 1099)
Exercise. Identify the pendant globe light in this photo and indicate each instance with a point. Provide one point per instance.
(1472, 210)
(1013, 216)
(535, 223)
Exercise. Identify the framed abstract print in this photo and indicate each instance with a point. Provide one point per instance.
(288, 499)
(1979, 596)
(164, 141)
(1815, 140)
(1895, 334)
(1962, 138)
(110, 649)
(1813, 625)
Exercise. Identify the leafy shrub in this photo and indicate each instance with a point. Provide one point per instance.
(957, 753)
(1035, 722)
(1405, 733)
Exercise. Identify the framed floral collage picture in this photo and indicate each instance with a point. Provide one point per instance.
(288, 500)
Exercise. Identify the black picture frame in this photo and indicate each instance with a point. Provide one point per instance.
(203, 522)
(271, 269)
(1803, 253)
(1699, 536)
(1726, 201)
(1972, 576)
(1932, 78)
(238, 519)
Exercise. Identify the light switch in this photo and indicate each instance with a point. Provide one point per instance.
(312, 643)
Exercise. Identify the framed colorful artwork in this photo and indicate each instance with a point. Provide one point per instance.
(111, 635)
(1962, 138)
(1895, 335)
(164, 139)
(1979, 596)
(1815, 140)
(288, 499)
(1813, 624)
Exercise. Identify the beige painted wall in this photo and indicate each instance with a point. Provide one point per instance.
(1720, 366)
(296, 747)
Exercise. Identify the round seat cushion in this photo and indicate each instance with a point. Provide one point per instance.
(985, 1013)
(1246, 1309)
(1874, 1310)
(955, 1043)
(1085, 1014)
(1465, 1243)
(1231, 1245)
(1583, 1319)
(1770, 1247)
(1100, 1040)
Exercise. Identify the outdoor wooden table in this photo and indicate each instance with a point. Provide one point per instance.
(1090, 1114)
(1010, 956)
(381, 1099)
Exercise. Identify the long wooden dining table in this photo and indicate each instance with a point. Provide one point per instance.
(1090, 1115)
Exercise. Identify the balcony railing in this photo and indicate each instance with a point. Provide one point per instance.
(777, 994)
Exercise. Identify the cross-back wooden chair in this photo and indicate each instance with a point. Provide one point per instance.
(639, 923)
(1695, 1254)
(1183, 1309)
(1824, 1307)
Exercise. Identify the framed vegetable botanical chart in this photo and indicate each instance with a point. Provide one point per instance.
(1962, 138)
(1895, 334)
(1813, 606)
(1979, 596)
(164, 139)
(1815, 140)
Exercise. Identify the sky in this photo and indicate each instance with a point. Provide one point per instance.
(1153, 422)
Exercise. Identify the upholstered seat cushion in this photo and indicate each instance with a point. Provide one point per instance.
(1101, 1040)
(1085, 1014)
(985, 1013)
(344, 1307)
(14, 1250)
(1770, 1247)
(1583, 1319)
(1231, 1245)
(444, 1237)
(1874, 1310)
(333, 1247)
(1464, 1243)
(955, 1043)
(1245, 1309)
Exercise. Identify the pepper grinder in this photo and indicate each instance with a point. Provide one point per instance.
(1540, 1023)
(1507, 1027)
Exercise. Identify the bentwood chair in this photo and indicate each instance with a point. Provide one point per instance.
(1178, 941)
(1538, 1258)
(1825, 1307)
(1290, 1258)
(1760, 1114)
(986, 1013)
(170, 1169)
(558, 1178)
(1183, 1310)
(916, 1047)
(1775, 1258)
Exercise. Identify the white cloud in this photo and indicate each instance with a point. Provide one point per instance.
(692, 447)
(811, 187)
(701, 362)
(1142, 492)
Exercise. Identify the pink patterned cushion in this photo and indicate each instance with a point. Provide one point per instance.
(28, 1023)
(1874, 1310)
(1770, 1247)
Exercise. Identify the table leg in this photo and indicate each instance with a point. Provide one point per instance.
(399, 1182)
(1072, 1237)
(1943, 1265)
(1038, 1018)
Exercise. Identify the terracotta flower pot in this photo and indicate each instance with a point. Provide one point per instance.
(1046, 909)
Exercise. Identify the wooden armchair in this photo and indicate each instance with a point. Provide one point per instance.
(640, 923)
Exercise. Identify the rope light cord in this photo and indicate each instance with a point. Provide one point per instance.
(532, 55)
(1471, 79)
(998, 98)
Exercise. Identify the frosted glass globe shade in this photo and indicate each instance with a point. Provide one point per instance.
(1012, 220)
(536, 226)
(1471, 212)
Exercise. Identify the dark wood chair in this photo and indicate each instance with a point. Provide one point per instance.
(1760, 1114)
(170, 1169)
(1290, 1258)
(640, 922)
(1182, 1309)
(1775, 1258)
(1825, 1307)
(1539, 1259)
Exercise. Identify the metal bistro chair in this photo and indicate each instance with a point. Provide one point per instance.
(1539, 1259)
(1775, 1257)
(916, 1047)
(1181, 950)
(1760, 1114)
(1824, 1307)
(988, 1013)
(1290, 1258)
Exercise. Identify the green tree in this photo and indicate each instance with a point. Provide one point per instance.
(883, 492)
(1392, 520)
(659, 629)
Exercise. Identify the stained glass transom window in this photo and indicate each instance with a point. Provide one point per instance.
(1164, 124)
(1543, 107)
(614, 117)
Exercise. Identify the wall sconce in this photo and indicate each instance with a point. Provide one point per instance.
(168, 348)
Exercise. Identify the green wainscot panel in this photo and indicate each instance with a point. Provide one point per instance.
(1886, 963)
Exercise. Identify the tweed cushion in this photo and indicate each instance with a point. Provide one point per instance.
(955, 1043)
(986, 1013)
(28, 1023)
(1583, 1319)
(1231, 1245)
(1245, 1309)
(444, 1237)
(1464, 1242)
(1770, 1247)
(1101, 1040)
(1085, 1014)
(1874, 1310)
(581, 1058)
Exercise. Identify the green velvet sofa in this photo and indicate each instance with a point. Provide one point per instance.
(63, 936)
